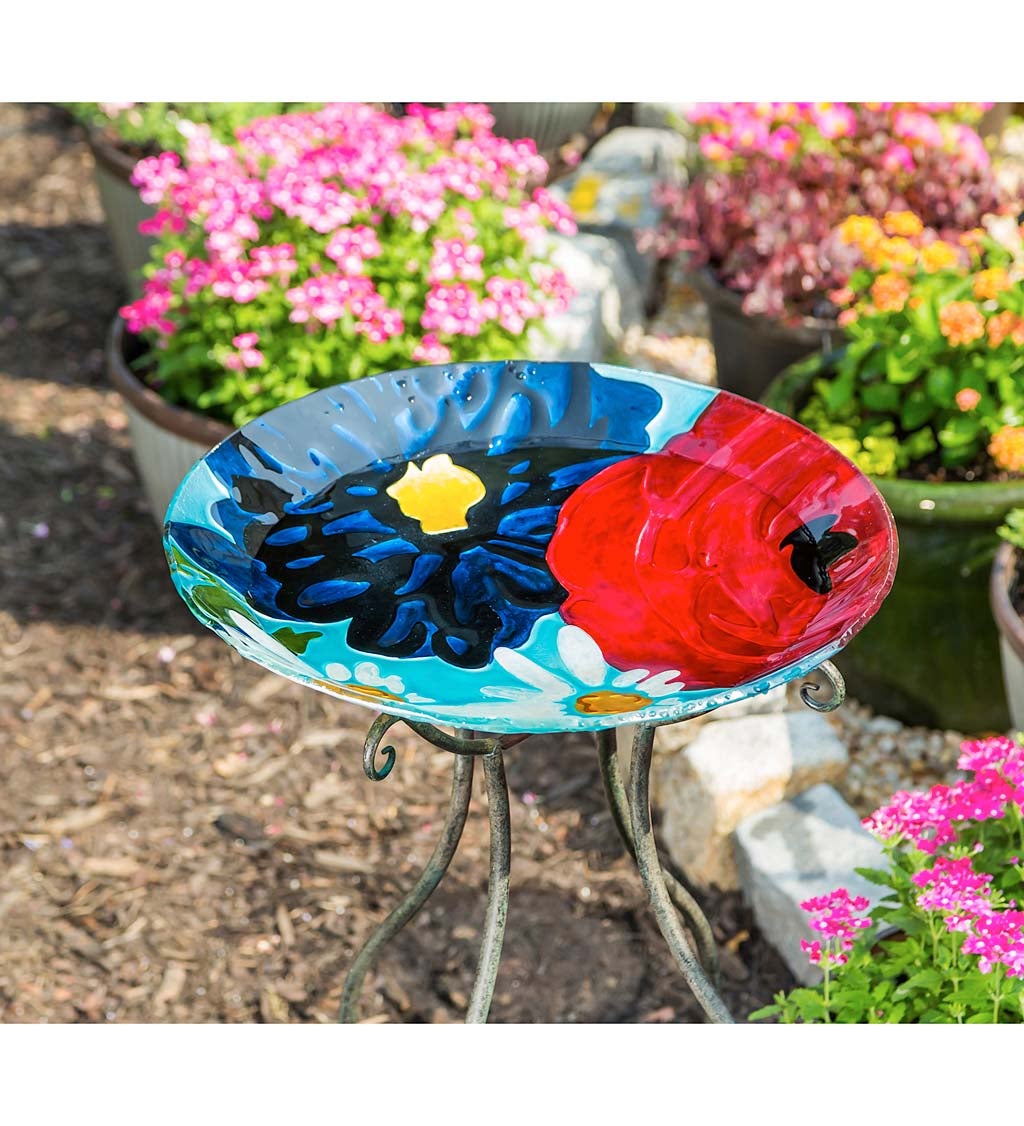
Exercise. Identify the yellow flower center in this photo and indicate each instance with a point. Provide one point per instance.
(357, 691)
(606, 702)
(438, 495)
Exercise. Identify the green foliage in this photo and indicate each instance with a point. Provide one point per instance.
(933, 369)
(154, 126)
(1013, 530)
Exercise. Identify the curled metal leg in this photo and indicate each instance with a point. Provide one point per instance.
(808, 691)
(694, 918)
(378, 729)
(461, 743)
(654, 883)
(497, 889)
(437, 865)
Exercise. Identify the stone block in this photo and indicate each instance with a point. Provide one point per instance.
(807, 846)
(732, 769)
(607, 302)
(612, 192)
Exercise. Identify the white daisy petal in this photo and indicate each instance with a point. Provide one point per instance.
(658, 685)
(509, 693)
(369, 674)
(628, 679)
(526, 670)
(581, 655)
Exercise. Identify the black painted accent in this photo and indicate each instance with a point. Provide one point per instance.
(815, 549)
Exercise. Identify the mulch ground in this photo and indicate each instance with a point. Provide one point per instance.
(186, 837)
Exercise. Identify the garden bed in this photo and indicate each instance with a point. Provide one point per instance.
(187, 838)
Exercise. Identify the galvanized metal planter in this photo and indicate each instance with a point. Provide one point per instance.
(166, 440)
(123, 209)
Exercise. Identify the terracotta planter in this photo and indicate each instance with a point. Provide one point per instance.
(123, 210)
(751, 351)
(1011, 630)
(167, 440)
(931, 653)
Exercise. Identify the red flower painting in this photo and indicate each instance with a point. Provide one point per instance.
(742, 546)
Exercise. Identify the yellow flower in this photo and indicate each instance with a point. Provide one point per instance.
(990, 283)
(1007, 448)
(973, 237)
(938, 255)
(902, 223)
(860, 230)
(890, 292)
(438, 495)
(961, 322)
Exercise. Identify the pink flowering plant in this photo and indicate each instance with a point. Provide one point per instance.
(952, 912)
(329, 245)
(776, 178)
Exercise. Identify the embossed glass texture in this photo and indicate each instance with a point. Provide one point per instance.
(530, 546)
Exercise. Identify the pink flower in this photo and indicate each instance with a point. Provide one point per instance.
(454, 259)
(812, 950)
(919, 127)
(350, 246)
(967, 398)
(835, 917)
(715, 147)
(454, 310)
(898, 158)
(430, 350)
(834, 119)
(162, 220)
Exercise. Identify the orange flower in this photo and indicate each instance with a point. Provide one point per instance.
(841, 296)
(961, 322)
(967, 399)
(1003, 325)
(890, 292)
(891, 253)
(1007, 448)
(902, 223)
(973, 237)
(990, 283)
(938, 255)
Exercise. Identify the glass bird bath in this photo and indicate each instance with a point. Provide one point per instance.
(513, 547)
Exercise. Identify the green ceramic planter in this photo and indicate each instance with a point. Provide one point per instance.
(931, 654)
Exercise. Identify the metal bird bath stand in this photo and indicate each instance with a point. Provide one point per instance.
(518, 547)
(679, 917)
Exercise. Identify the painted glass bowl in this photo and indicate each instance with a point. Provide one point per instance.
(517, 547)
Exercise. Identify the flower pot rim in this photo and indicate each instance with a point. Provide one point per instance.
(185, 423)
(810, 329)
(115, 160)
(925, 502)
(1004, 569)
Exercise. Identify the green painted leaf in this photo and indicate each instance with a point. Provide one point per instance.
(293, 641)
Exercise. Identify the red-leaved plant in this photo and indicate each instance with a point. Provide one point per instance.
(778, 177)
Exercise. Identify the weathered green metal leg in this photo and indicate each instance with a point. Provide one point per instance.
(654, 882)
(497, 889)
(437, 865)
(694, 918)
